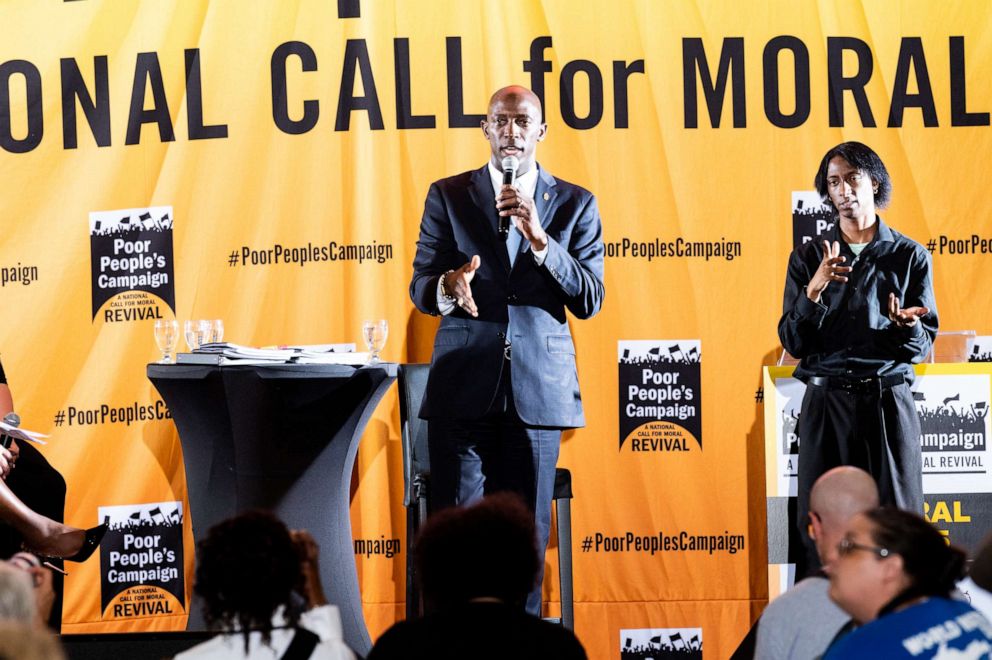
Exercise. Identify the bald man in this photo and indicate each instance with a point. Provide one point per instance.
(503, 382)
(803, 621)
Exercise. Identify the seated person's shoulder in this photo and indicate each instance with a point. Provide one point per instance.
(401, 640)
(441, 637)
(565, 644)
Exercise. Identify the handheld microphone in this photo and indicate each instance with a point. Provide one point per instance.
(10, 419)
(510, 165)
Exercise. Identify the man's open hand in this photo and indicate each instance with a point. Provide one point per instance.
(458, 283)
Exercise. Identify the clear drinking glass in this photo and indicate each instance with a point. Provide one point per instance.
(166, 338)
(197, 333)
(203, 332)
(374, 333)
(216, 331)
(189, 332)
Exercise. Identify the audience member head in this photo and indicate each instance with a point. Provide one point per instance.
(889, 558)
(981, 566)
(22, 641)
(836, 497)
(497, 534)
(40, 579)
(247, 567)
(16, 595)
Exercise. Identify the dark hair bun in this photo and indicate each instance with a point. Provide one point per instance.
(933, 566)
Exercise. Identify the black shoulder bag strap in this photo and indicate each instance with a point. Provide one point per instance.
(302, 646)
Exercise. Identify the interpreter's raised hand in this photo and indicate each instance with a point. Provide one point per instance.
(905, 318)
(830, 270)
(458, 283)
(522, 210)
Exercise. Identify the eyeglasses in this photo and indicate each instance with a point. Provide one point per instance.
(847, 546)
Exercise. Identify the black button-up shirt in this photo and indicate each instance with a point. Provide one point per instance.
(848, 333)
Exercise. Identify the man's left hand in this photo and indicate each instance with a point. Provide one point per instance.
(522, 210)
(905, 318)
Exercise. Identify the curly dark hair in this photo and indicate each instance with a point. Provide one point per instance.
(247, 567)
(485, 550)
(932, 566)
(863, 158)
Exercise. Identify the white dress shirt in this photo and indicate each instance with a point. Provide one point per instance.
(324, 621)
(525, 183)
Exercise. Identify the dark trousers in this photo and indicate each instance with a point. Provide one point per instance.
(877, 430)
(473, 458)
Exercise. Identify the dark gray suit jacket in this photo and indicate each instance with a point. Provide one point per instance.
(459, 221)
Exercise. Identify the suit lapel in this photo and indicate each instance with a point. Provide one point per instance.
(545, 198)
(481, 192)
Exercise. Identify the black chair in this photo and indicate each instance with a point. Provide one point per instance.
(416, 491)
(563, 514)
(412, 380)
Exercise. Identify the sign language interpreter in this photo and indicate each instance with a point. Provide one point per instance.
(858, 312)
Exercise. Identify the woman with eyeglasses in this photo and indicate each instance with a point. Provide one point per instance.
(894, 575)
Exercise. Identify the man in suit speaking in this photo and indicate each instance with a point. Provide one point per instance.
(503, 382)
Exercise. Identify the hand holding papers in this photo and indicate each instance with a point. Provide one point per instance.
(9, 431)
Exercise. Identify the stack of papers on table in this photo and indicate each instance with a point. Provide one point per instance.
(327, 354)
(224, 353)
(236, 352)
(354, 359)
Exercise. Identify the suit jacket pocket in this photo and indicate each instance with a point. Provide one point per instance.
(455, 336)
(561, 345)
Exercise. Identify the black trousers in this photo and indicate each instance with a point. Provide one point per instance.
(497, 453)
(876, 429)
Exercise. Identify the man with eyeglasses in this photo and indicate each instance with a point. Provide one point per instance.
(800, 623)
(858, 312)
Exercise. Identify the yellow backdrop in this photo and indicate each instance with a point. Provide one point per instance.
(271, 133)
